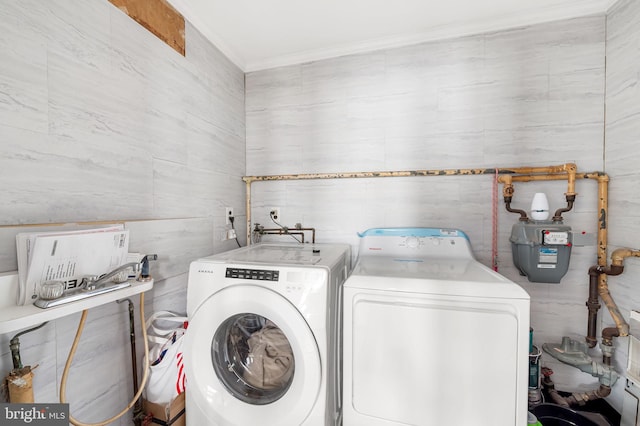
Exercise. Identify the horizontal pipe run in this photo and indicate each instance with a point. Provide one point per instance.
(352, 175)
(563, 168)
(560, 176)
(288, 231)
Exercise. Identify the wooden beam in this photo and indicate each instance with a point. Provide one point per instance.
(159, 17)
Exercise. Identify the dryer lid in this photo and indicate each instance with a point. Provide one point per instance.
(432, 276)
(285, 254)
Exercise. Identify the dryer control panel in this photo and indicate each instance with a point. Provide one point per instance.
(252, 274)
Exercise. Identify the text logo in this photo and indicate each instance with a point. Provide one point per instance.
(34, 414)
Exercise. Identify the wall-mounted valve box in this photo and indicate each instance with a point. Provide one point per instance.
(541, 250)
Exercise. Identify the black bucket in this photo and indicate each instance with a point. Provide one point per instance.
(556, 415)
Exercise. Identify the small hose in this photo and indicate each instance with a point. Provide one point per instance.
(72, 351)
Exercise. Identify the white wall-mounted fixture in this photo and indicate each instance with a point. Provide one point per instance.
(14, 317)
(539, 207)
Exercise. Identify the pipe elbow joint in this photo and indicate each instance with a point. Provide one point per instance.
(618, 255)
(571, 168)
(507, 193)
(623, 330)
(591, 341)
(609, 333)
(595, 270)
(614, 269)
(604, 391)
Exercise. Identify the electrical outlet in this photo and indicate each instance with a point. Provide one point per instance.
(228, 213)
(274, 213)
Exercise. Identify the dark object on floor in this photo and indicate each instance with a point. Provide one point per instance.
(555, 415)
(600, 406)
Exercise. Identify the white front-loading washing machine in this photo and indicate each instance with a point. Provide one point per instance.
(431, 336)
(262, 345)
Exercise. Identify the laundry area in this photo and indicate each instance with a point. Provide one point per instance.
(235, 214)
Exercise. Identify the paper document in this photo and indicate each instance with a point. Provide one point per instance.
(67, 256)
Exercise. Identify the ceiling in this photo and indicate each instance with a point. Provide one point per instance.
(261, 34)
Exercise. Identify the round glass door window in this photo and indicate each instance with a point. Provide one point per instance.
(253, 358)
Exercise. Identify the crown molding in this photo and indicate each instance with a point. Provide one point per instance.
(520, 18)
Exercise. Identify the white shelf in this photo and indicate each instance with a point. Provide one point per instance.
(13, 317)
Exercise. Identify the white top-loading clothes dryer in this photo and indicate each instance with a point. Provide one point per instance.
(262, 343)
(431, 336)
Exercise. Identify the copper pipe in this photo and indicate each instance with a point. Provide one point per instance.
(597, 278)
(603, 206)
(598, 287)
(247, 205)
(562, 172)
(621, 324)
(406, 173)
(557, 169)
(571, 170)
(598, 274)
(533, 178)
(618, 256)
(559, 176)
(507, 187)
(507, 193)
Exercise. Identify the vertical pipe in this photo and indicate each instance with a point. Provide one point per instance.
(571, 179)
(597, 278)
(602, 221)
(602, 231)
(248, 209)
(137, 408)
(593, 306)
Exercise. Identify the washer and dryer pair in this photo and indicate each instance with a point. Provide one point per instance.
(431, 336)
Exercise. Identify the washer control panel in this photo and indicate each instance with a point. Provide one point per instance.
(252, 274)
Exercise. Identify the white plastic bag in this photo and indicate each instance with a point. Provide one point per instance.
(166, 369)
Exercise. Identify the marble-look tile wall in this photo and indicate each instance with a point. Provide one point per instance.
(622, 155)
(530, 96)
(101, 121)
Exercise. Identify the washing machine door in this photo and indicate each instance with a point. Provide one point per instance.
(251, 358)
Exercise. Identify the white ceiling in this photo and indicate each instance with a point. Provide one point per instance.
(260, 34)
